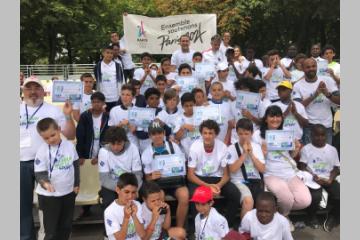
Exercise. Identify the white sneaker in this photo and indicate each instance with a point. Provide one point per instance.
(292, 227)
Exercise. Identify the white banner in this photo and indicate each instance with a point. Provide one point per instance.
(161, 35)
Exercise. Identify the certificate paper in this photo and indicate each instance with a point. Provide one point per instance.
(249, 101)
(322, 67)
(170, 165)
(67, 90)
(280, 140)
(205, 71)
(141, 117)
(187, 84)
(203, 113)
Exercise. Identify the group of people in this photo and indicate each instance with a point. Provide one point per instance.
(227, 156)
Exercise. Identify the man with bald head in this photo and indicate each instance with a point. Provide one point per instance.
(32, 110)
(317, 94)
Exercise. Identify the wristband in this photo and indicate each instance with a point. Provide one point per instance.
(329, 95)
(68, 117)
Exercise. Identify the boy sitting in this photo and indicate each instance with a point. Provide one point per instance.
(122, 217)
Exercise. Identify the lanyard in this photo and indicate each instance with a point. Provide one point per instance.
(203, 229)
(55, 158)
(31, 117)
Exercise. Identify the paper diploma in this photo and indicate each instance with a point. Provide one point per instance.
(280, 140)
(67, 90)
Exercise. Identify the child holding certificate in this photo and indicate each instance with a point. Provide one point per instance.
(217, 93)
(119, 115)
(145, 74)
(185, 131)
(174, 185)
(156, 214)
(85, 104)
(322, 161)
(207, 166)
(118, 157)
(169, 115)
(152, 96)
(280, 168)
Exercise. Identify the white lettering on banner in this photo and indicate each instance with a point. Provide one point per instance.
(162, 35)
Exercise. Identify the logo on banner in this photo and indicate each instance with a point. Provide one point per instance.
(141, 37)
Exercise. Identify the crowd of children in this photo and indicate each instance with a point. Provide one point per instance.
(196, 161)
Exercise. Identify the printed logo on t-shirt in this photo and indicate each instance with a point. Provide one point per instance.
(37, 161)
(319, 98)
(64, 162)
(102, 163)
(319, 166)
(289, 121)
(32, 120)
(109, 222)
(131, 230)
(106, 77)
(115, 173)
(96, 133)
(228, 157)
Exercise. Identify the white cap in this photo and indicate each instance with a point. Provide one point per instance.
(222, 66)
(33, 79)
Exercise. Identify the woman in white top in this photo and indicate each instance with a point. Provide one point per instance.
(280, 176)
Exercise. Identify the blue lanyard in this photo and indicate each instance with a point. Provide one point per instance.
(31, 117)
(55, 158)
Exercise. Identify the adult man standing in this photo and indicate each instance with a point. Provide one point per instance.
(126, 58)
(317, 94)
(315, 52)
(288, 60)
(214, 55)
(32, 110)
(184, 54)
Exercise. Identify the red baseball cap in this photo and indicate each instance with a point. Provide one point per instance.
(202, 194)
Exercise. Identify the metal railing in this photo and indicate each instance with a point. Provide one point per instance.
(63, 71)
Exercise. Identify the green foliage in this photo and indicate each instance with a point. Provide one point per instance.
(73, 31)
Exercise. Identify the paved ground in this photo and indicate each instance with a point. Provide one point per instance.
(91, 229)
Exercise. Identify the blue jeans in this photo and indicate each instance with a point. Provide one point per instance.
(306, 138)
(27, 181)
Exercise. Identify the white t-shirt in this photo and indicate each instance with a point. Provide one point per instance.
(84, 105)
(128, 161)
(226, 115)
(148, 83)
(114, 217)
(171, 76)
(108, 84)
(240, 66)
(126, 57)
(188, 137)
(258, 63)
(271, 84)
(277, 229)
(251, 171)
(208, 164)
(320, 160)
(97, 132)
(147, 156)
(319, 110)
(214, 226)
(223, 48)
(335, 67)
(60, 173)
(296, 75)
(169, 119)
(209, 56)
(118, 114)
(179, 57)
(276, 162)
(286, 61)
(147, 216)
(290, 122)
(30, 140)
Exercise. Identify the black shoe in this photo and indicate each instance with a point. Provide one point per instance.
(314, 223)
(329, 223)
